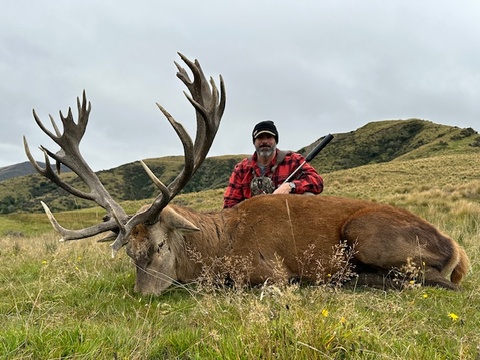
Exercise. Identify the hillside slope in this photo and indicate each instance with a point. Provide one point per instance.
(376, 142)
(384, 141)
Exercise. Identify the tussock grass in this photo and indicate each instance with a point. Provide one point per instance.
(72, 301)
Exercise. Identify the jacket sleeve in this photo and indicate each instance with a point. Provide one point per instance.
(235, 192)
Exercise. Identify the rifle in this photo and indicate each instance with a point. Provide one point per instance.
(311, 155)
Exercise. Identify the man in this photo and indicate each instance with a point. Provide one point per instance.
(267, 169)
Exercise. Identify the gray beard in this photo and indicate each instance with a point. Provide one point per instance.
(266, 153)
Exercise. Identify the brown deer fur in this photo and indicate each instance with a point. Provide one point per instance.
(278, 232)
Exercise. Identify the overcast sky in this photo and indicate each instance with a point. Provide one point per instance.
(314, 67)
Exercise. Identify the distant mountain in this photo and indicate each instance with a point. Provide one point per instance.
(381, 141)
(25, 168)
(12, 171)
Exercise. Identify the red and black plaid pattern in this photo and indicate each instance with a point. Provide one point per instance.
(238, 189)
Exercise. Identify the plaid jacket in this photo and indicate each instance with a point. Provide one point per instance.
(238, 189)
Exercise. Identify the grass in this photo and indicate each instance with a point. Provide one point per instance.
(72, 301)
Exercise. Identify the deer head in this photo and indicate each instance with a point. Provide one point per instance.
(209, 106)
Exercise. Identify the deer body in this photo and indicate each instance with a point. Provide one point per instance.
(279, 236)
(277, 233)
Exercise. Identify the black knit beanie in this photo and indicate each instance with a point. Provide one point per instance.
(267, 127)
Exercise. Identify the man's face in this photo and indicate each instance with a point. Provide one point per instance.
(265, 145)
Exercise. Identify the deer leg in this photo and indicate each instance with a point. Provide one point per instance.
(434, 278)
(377, 280)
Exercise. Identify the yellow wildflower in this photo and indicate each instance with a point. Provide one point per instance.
(453, 316)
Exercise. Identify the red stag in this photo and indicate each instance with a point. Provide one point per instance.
(287, 236)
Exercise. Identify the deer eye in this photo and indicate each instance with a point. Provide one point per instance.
(162, 243)
(160, 246)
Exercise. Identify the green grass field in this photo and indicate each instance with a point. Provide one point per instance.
(72, 301)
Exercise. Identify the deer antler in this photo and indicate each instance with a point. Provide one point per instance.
(70, 156)
(209, 106)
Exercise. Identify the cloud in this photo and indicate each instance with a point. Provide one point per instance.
(313, 67)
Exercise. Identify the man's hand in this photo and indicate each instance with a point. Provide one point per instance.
(283, 189)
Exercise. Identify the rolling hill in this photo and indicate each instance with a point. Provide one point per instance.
(8, 172)
(376, 142)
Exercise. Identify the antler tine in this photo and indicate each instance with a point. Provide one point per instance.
(50, 174)
(188, 148)
(209, 122)
(189, 155)
(54, 124)
(58, 165)
(78, 234)
(44, 129)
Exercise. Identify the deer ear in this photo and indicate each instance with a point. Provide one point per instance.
(176, 221)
